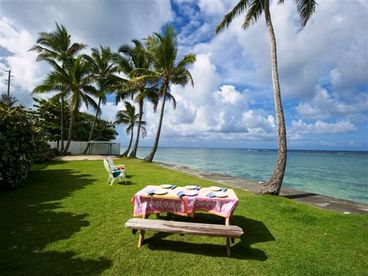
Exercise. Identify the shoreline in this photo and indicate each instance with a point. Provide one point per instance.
(313, 199)
(317, 200)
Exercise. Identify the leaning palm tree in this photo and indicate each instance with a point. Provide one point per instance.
(76, 78)
(166, 71)
(57, 47)
(103, 70)
(8, 100)
(128, 59)
(253, 10)
(151, 95)
(130, 118)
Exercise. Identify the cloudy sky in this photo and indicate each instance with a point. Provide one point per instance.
(323, 68)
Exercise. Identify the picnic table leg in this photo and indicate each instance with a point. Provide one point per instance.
(227, 222)
(141, 234)
(141, 238)
(228, 247)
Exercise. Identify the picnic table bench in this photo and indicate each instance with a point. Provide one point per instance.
(214, 230)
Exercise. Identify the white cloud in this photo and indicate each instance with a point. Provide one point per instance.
(209, 111)
(323, 105)
(228, 95)
(21, 62)
(334, 39)
(212, 7)
(91, 22)
(320, 127)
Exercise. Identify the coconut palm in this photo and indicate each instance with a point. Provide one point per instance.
(130, 118)
(253, 9)
(57, 47)
(129, 59)
(75, 79)
(8, 100)
(103, 70)
(166, 71)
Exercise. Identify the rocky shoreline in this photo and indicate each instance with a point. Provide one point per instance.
(317, 200)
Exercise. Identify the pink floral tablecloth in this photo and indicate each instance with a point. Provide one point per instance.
(145, 204)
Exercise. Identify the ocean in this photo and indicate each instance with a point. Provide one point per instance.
(338, 174)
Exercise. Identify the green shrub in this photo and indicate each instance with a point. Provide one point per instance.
(21, 143)
(42, 151)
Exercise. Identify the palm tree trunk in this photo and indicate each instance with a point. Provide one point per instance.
(72, 116)
(133, 154)
(152, 153)
(273, 185)
(130, 144)
(93, 124)
(62, 125)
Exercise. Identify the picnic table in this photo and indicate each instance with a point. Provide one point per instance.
(145, 202)
(184, 201)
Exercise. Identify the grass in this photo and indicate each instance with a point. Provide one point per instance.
(67, 220)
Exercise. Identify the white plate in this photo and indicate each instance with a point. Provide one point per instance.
(191, 187)
(166, 186)
(220, 194)
(215, 188)
(191, 192)
(160, 192)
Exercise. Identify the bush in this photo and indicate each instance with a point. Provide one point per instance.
(42, 151)
(21, 143)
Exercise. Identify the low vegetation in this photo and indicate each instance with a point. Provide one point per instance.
(67, 220)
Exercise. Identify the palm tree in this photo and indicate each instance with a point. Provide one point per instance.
(129, 59)
(8, 100)
(130, 118)
(166, 71)
(253, 10)
(76, 78)
(57, 47)
(103, 69)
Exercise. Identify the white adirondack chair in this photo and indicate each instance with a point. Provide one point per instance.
(112, 165)
(113, 173)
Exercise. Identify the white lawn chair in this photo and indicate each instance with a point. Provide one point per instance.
(112, 165)
(113, 173)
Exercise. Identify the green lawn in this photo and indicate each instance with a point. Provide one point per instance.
(67, 220)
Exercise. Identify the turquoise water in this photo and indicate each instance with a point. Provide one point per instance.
(338, 174)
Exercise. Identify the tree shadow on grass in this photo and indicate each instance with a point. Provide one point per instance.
(43, 165)
(254, 232)
(31, 219)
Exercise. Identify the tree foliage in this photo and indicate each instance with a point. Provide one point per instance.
(21, 143)
(47, 112)
(57, 48)
(8, 100)
(128, 59)
(166, 70)
(104, 71)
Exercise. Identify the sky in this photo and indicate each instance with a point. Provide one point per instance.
(323, 68)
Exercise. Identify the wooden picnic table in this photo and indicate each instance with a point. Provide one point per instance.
(146, 202)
